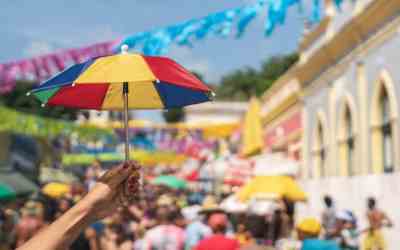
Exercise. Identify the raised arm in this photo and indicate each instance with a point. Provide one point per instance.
(109, 193)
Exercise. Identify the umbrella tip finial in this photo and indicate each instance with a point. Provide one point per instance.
(28, 93)
(124, 49)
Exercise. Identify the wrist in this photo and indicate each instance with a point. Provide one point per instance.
(84, 210)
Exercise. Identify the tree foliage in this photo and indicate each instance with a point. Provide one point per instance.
(18, 100)
(241, 84)
(174, 115)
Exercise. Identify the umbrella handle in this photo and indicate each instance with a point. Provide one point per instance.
(125, 91)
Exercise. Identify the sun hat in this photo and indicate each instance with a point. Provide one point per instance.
(309, 226)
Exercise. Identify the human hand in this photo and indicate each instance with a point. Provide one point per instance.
(117, 187)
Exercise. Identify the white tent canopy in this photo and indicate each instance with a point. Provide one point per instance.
(274, 164)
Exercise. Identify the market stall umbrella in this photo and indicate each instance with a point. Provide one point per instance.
(56, 190)
(282, 186)
(20, 184)
(7, 193)
(170, 181)
(56, 175)
(252, 129)
(121, 82)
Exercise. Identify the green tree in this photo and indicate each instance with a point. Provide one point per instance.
(18, 100)
(241, 84)
(174, 115)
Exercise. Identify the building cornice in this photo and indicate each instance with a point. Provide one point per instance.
(364, 29)
(315, 34)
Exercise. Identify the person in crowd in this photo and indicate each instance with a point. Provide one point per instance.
(258, 227)
(30, 223)
(243, 236)
(197, 229)
(280, 223)
(377, 220)
(62, 206)
(114, 238)
(117, 187)
(328, 218)
(8, 221)
(166, 235)
(139, 233)
(308, 232)
(347, 230)
(218, 222)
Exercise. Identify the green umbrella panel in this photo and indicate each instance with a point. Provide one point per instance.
(7, 193)
(170, 181)
(20, 184)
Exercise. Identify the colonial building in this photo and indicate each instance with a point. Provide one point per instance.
(348, 71)
(345, 90)
(349, 77)
(282, 116)
(215, 112)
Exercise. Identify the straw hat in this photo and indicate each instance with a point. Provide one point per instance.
(210, 205)
(165, 200)
(30, 208)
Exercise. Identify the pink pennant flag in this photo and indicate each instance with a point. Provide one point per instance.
(25, 68)
(58, 60)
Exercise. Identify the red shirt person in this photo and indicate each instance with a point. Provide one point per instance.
(218, 241)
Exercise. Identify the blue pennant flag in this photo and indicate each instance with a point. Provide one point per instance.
(246, 15)
(157, 42)
(316, 11)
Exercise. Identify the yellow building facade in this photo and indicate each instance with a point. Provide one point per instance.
(349, 77)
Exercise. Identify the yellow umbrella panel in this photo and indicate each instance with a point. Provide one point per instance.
(56, 190)
(282, 186)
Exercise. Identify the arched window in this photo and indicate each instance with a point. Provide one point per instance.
(384, 120)
(319, 152)
(349, 141)
(386, 132)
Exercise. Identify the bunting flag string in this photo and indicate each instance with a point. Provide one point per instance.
(156, 42)
(18, 122)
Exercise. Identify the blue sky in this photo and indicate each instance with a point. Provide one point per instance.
(29, 28)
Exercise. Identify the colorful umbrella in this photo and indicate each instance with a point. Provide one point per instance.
(121, 82)
(56, 190)
(170, 181)
(18, 182)
(7, 193)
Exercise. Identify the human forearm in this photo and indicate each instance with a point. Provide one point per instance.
(99, 203)
(61, 233)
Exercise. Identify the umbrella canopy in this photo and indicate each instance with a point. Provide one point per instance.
(170, 181)
(56, 175)
(7, 193)
(233, 205)
(274, 164)
(282, 186)
(56, 190)
(121, 82)
(20, 184)
(252, 130)
(153, 83)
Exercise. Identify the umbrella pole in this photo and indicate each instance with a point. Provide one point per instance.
(125, 91)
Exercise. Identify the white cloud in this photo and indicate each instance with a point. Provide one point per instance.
(36, 48)
(185, 56)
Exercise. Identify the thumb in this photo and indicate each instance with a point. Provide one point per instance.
(116, 175)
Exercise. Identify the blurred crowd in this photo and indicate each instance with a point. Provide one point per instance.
(183, 219)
